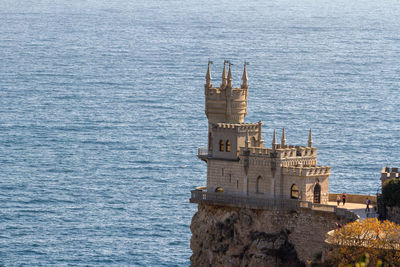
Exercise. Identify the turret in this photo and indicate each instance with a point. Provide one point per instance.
(310, 139)
(283, 139)
(229, 75)
(208, 75)
(223, 84)
(274, 144)
(247, 142)
(259, 137)
(244, 77)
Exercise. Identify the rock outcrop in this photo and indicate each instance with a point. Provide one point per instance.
(227, 236)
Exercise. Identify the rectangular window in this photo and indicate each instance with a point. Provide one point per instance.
(222, 171)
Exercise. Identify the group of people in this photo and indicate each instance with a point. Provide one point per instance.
(341, 199)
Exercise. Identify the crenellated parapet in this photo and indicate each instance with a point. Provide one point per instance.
(307, 171)
(389, 173)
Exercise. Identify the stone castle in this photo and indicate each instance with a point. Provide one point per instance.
(262, 206)
(237, 161)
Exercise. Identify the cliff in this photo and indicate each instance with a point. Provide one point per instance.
(228, 236)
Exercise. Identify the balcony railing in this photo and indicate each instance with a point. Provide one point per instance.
(203, 152)
(260, 202)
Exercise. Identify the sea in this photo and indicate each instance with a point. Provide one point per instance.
(102, 112)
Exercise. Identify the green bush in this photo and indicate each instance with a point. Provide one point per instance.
(391, 192)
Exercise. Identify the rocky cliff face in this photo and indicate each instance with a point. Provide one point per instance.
(226, 236)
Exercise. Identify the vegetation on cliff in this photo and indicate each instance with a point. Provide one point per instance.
(380, 240)
(391, 192)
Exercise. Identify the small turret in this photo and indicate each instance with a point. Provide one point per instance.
(244, 77)
(310, 139)
(274, 144)
(208, 75)
(260, 141)
(223, 84)
(247, 142)
(283, 139)
(229, 75)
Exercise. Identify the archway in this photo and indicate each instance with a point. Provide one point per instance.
(294, 192)
(317, 193)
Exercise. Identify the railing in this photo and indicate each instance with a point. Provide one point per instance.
(260, 202)
(202, 152)
(220, 198)
(370, 240)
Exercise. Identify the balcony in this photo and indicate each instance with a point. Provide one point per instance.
(201, 196)
(203, 153)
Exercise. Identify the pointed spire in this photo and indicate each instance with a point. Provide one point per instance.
(310, 139)
(230, 75)
(244, 76)
(260, 141)
(223, 84)
(283, 139)
(208, 75)
(274, 141)
(247, 140)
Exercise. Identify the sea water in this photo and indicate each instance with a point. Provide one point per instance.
(102, 112)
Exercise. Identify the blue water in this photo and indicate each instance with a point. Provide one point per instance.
(102, 111)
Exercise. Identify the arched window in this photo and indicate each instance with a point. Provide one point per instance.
(258, 185)
(221, 145)
(317, 193)
(228, 146)
(294, 192)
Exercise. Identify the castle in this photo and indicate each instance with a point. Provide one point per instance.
(237, 161)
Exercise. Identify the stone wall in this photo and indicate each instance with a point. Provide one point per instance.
(353, 198)
(229, 236)
(393, 214)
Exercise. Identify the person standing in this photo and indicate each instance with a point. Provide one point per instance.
(367, 202)
(338, 200)
(344, 198)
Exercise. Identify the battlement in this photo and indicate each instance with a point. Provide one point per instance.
(307, 171)
(281, 153)
(256, 152)
(389, 173)
(239, 127)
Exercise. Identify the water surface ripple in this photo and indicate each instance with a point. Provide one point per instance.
(102, 111)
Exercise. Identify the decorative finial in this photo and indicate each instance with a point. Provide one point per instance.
(244, 76)
(230, 74)
(223, 84)
(310, 139)
(274, 141)
(283, 138)
(208, 75)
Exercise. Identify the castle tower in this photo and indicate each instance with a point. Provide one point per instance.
(226, 104)
(237, 161)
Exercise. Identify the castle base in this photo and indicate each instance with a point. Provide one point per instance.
(233, 236)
